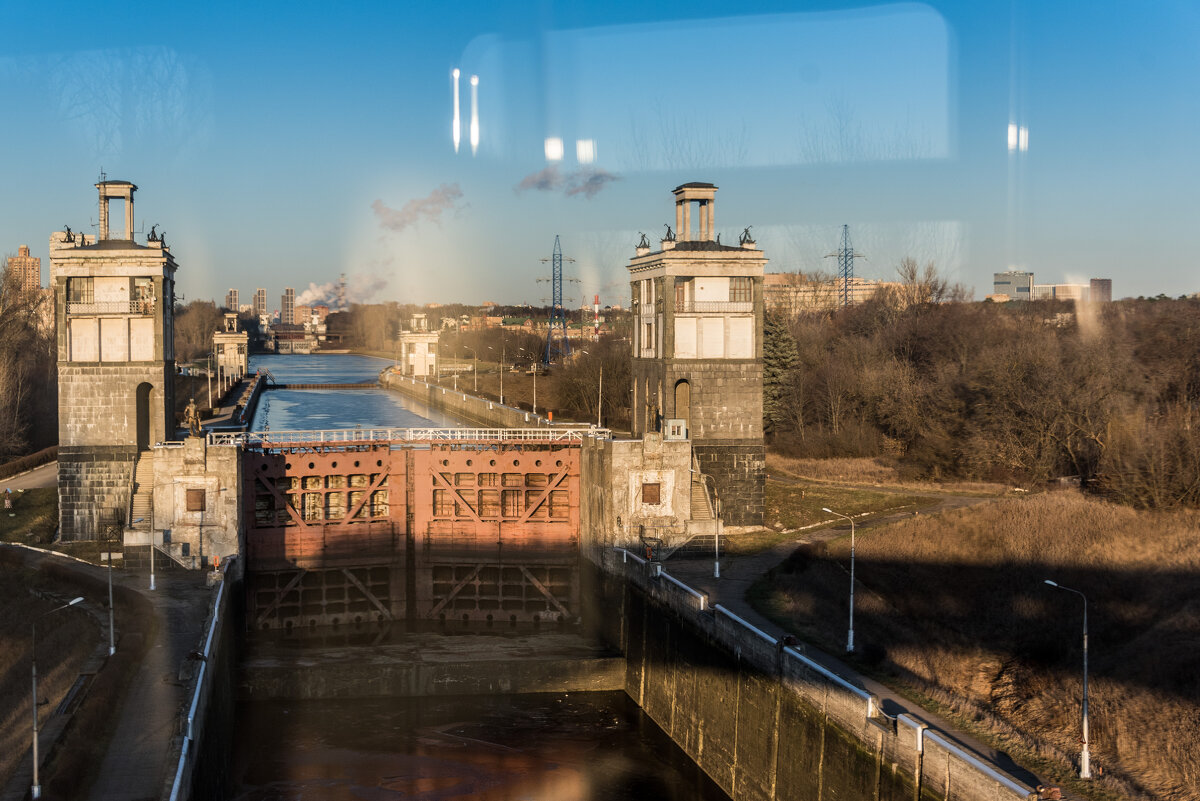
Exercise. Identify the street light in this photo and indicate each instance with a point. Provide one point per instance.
(1085, 758)
(502, 347)
(474, 367)
(850, 635)
(36, 790)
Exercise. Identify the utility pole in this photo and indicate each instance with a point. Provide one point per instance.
(558, 317)
(845, 256)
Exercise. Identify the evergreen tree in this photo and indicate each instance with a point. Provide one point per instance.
(779, 359)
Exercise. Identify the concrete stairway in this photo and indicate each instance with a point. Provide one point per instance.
(700, 507)
(141, 506)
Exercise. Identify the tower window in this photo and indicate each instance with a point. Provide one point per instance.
(80, 290)
(741, 290)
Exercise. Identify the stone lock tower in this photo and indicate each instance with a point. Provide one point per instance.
(697, 349)
(114, 302)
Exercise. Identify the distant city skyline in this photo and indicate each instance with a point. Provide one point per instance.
(973, 135)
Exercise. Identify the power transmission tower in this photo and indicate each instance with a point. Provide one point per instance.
(845, 257)
(557, 343)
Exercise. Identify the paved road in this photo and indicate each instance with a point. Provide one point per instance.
(738, 573)
(44, 476)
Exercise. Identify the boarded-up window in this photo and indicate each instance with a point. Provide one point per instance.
(335, 482)
(559, 503)
(356, 498)
(335, 506)
(651, 493)
(510, 503)
(489, 479)
(464, 479)
(443, 504)
(536, 479)
(531, 498)
(312, 506)
(489, 503)
(379, 503)
(195, 500)
(514, 480)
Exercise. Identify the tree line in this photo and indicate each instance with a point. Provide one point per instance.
(28, 369)
(1022, 392)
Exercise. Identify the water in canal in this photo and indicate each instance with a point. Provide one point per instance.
(307, 410)
(557, 747)
(553, 746)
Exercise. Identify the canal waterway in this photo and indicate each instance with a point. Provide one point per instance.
(552, 746)
(306, 410)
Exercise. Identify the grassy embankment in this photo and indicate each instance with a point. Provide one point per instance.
(953, 610)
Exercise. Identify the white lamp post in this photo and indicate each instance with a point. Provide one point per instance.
(1085, 758)
(850, 635)
(474, 367)
(36, 790)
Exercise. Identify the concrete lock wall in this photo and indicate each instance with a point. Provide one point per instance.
(759, 718)
(463, 405)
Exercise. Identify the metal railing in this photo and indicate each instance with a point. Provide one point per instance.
(285, 439)
(872, 708)
(112, 307)
(714, 306)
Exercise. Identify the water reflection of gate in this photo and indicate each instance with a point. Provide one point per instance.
(478, 526)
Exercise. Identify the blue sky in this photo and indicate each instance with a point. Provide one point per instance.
(283, 144)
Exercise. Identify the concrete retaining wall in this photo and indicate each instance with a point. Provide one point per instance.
(764, 720)
(462, 405)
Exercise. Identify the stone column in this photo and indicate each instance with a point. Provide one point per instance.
(103, 233)
(685, 233)
(679, 219)
(129, 217)
(712, 218)
(702, 223)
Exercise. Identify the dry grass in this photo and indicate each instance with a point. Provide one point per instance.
(955, 606)
(878, 471)
(65, 641)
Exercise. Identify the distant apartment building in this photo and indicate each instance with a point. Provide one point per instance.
(27, 269)
(1101, 290)
(1015, 284)
(260, 303)
(287, 309)
(1077, 292)
(302, 314)
(792, 293)
(231, 300)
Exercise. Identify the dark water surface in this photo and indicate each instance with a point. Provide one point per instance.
(305, 410)
(556, 747)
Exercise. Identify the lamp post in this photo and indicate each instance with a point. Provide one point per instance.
(1085, 758)
(850, 635)
(502, 347)
(474, 367)
(35, 790)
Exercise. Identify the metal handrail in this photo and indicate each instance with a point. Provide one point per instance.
(692, 306)
(112, 307)
(284, 439)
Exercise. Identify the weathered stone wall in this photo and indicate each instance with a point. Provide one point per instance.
(98, 402)
(612, 472)
(217, 471)
(739, 471)
(93, 488)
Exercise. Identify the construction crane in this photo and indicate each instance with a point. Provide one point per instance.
(845, 257)
(557, 342)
